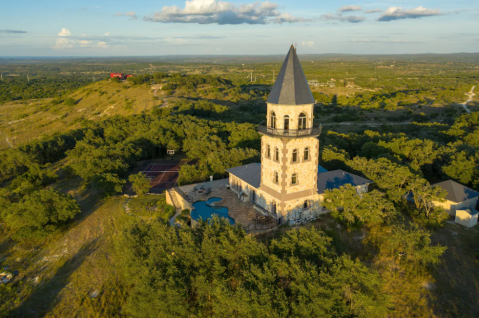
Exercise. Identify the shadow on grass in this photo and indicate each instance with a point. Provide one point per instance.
(45, 296)
(457, 277)
(88, 199)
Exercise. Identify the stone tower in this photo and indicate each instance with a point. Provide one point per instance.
(289, 144)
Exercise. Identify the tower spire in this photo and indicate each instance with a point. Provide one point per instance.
(291, 86)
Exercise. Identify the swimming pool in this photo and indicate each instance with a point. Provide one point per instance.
(206, 210)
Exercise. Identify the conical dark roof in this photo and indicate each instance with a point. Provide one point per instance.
(291, 86)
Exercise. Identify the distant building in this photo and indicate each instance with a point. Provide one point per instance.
(288, 183)
(118, 75)
(458, 197)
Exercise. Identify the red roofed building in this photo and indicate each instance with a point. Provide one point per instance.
(119, 75)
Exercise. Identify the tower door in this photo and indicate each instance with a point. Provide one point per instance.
(286, 123)
(253, 196)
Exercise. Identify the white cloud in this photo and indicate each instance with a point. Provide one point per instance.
(64, 32)
(349, 18)
(67, 41)
(309, 43)
(361, 40)
(396, 13)
(350, 8)
(222, 12)
(373, 11)
(131, 14)
(84, 43)
(286, 17)
(63, 43)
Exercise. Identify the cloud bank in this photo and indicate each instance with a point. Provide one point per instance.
(12, 31)
(350, 8)
(67, 41)
(397, 13)
(373, 11)
(349, 18)
(221, 12)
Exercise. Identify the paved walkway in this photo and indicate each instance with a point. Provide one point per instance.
(172, 219)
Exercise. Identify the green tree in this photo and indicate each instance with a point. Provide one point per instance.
(141, 184)
(40, 213)
(69, 102)
(412, 246)
(462, 167)
(387, 176)
(425, 197)
(355, 209)
(217, 270)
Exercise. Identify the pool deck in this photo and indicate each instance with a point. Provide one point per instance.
(242, 212)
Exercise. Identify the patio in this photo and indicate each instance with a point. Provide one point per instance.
(242, 212)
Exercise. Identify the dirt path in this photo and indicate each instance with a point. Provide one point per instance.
(471, 95)
(8, 142)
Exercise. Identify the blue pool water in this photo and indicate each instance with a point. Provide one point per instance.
(203, 210)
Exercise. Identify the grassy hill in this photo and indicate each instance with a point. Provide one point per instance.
(23, 121)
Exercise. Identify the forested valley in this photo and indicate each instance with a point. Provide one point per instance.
(75, 252)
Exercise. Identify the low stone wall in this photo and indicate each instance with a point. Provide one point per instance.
(181, 198)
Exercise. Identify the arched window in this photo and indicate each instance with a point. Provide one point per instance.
(286, 122)
(302, 121)
(272, 120)
(305, 204)
(276, 154)
(276, 177)
(295, 155)
(306, 153)
(294, 178)
(268, 152)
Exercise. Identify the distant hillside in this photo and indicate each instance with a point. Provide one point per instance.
(24, 121)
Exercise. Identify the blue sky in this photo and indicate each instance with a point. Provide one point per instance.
(164, 27)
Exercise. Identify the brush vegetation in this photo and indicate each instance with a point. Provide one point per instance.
(67, 155)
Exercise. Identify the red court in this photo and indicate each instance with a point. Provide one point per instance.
(162, 176)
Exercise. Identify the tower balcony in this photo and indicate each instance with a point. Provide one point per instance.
(289, 133)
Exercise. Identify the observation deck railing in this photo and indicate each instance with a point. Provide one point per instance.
(315, 131)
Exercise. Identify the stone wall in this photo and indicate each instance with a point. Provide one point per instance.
(293, 111)
(178, 201)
